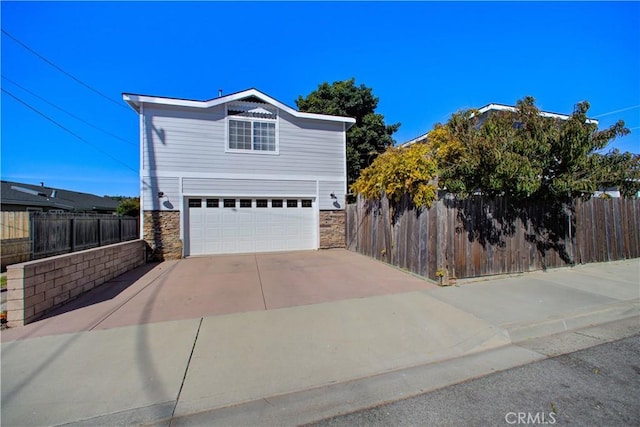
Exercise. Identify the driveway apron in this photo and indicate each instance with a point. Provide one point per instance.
(224, 284)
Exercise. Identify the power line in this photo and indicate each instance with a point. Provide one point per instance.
(617, 111)
(67, 130)
(118, 103)
(67, 112)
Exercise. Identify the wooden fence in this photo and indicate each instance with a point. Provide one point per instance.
(32, 235)
(15, 240)
(478, 237)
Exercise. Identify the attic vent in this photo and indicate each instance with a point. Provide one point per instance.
(252, 110)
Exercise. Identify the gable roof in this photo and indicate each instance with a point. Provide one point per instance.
(16, 193)
(135, 101)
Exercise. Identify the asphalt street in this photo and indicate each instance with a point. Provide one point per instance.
(597, 386)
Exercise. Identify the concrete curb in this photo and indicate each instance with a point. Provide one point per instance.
(324, 402)
(523, 331)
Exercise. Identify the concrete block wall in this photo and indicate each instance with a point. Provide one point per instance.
(36, 287)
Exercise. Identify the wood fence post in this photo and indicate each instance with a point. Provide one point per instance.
(388, 228)
(570, 246)
(99, 232)
(120, 229)
(441, 238)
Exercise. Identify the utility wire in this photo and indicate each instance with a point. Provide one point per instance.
(617, 111)
(118, 103)
(69, 131)
(67, 112)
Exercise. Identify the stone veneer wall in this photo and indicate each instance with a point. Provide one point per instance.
(36, 287)
(332, 229)
(162, 234)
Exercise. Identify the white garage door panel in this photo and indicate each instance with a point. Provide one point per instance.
(218, 230)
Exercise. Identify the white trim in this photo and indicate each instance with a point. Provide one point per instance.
(136, 101)
(501, 107)
(181, 211)
(241, 176)
(249, 152)
(251, 120)
(247, 195)
(185, 210)
(142, 134)
(344, 163)
(317, 213)
(414, 140)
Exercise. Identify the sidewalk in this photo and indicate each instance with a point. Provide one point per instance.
(295, 365)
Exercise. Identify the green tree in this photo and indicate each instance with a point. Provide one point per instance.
(369, 136)
(523, 154)
(400, 171)
(129, 206)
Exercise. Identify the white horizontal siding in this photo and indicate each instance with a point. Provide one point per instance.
(176, 137)
(248, 188)
(184, 139)
(169, 186)
(314, 147)
(325, 201)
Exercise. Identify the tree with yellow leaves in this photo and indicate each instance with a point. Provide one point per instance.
(399, 171)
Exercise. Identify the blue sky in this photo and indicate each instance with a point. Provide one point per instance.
(424, 60)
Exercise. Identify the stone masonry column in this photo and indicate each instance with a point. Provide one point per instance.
(332, 229)
(162, 234)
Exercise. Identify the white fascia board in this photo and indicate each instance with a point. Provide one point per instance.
(136, 100)
(133, 104)
(500, 107)
(496, 107)
(414, 140)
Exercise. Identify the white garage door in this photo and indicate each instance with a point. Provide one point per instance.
(218, 225)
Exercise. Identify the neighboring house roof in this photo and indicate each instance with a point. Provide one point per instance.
(414, 140)
(16, 193)
(502, 107)
(135, 101)
(499, 107)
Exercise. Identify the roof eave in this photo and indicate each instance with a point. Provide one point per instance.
(415, 140)
(135, 100)
(129, 99)
(501, 107)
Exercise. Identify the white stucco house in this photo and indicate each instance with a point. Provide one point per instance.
(240, 173)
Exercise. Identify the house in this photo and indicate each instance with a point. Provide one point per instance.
(17, 196)
(240, 173)
(484, 112)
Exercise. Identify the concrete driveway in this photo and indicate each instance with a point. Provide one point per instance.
(216, 285)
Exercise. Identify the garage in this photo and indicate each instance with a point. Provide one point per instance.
(227, 225)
